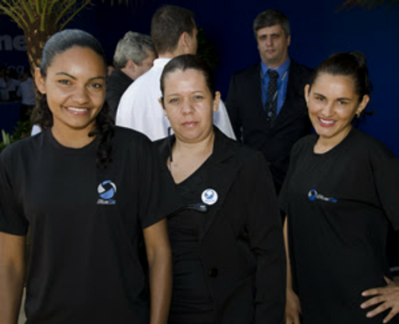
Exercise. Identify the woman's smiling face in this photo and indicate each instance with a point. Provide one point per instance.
(75, 88)
(332, 105)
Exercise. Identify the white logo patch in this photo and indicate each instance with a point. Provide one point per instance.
(209, 197)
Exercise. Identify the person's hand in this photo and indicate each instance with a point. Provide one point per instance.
(387, 297)
(292, 308)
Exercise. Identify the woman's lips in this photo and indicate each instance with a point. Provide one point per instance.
(326, 122)
(189, 124)
(77, 111)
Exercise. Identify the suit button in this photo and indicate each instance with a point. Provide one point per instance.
(213, 272)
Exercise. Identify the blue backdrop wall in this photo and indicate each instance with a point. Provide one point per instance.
(319, 28)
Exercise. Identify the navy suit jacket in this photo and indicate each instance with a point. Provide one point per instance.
(249, 120)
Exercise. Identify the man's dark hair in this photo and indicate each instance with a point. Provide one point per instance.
(167, 25)
(271, 18)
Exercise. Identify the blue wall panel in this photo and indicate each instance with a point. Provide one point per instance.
(319, 28)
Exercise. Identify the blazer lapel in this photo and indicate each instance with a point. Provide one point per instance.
(258, 88)
(220, 175)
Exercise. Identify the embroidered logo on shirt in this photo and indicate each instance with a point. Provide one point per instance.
(313, 195)
(209, 196)
(106, 190)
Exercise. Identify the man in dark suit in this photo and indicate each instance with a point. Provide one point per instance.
(266, 101)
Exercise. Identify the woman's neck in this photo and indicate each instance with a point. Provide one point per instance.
(194, 148)
(187, 157)
(325, 144)
(72, 138)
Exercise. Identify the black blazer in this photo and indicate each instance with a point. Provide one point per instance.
(249, 120)
(241, 243)
(117, 84)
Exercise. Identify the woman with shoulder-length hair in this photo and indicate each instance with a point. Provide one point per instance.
(227, 244)
(340, 196)
(89, 194)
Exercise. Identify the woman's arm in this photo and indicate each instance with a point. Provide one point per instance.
(12, 273)
(292, 306)
(160, 266)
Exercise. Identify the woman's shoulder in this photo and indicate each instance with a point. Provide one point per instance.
(130, 145)
(368, 144)
(244, 154)
(303, 144)
(23, 148)
(126, 136)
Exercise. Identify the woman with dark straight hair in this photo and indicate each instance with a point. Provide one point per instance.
(340, 196)
(89, 193)
(227, 243)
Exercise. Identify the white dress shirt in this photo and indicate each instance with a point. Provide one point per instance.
(140, 110)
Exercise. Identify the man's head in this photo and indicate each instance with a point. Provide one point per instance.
(173, 31)
(134, 54)
(272, 32)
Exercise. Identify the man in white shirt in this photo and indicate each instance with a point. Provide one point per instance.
(173, 33)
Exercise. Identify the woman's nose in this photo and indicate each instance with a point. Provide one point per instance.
(80, 95)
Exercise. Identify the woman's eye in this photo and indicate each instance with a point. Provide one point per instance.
(342, 103)
(173, 100)
(64, 82)
(319, 98)
(197, 98)
(97, 85)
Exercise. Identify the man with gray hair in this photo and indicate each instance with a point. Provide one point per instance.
(134, 55)
(266, 101)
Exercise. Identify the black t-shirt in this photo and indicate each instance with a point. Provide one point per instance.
(339, 205)
(191, 299)
(86, 226)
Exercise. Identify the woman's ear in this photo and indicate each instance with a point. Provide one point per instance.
(185, 41)
(40, 82)
(160, 100)
(216, 101)
(306, 92)
(362, 105)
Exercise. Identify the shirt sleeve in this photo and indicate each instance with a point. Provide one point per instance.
(124, 112)
(385, 168)
(222, 121)
(140, 110)
(12, 219)
(158, 197)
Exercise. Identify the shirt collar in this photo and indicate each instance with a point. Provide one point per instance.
(161, 62)
(281, 70)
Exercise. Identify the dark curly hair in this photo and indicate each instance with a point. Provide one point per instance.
(105, 125)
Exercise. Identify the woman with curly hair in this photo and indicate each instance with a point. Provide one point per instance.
(89, 194)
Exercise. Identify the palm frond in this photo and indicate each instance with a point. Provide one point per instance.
(369, 4)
